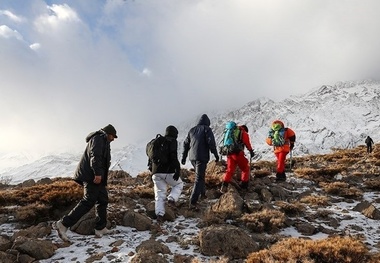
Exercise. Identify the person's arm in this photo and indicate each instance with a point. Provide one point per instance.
(96, 152)
(186, 148)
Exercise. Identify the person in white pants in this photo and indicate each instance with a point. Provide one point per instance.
(161, 182)
(166, 173)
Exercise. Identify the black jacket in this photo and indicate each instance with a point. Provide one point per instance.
(173, 166)
(95, 160)
(200, 141)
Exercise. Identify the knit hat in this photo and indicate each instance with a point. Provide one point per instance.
(109, 129)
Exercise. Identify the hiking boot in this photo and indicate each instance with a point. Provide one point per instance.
(224, 188)
(102, 232)
(244, 185)
(193, 207)
(280, 177)
(160, 219)
(61, 230)
(171, 202)
(203, 196)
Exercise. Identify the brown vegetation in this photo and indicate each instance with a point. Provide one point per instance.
(263, 210)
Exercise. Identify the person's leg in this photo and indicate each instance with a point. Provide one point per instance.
(160, 188)
(90, 196)
(199, 184)
(101, 208)
(281, 157)
(243, 164)
(231, 166)
(176, 187)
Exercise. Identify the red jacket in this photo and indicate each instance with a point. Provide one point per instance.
(289, 136)
(245, 139)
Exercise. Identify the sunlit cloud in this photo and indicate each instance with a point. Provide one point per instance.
(12, 17)
(7, 32)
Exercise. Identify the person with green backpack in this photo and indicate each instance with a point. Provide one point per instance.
(234, 140)
(282, 139)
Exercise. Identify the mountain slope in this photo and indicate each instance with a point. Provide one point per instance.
(337, 116)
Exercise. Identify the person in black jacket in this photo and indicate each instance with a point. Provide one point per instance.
(165, 174)
(199, 142)
(92, 173)
(369, 143)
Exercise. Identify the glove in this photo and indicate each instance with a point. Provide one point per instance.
(183, 161)
(176, 176)
(216, 158)
(251, 153)
(291, 146)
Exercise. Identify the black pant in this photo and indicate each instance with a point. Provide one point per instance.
(369, 148)
(199, 184)
(94, 195)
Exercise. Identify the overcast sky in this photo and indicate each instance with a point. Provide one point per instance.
(71, 67)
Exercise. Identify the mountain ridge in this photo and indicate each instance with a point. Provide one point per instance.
(327, 117)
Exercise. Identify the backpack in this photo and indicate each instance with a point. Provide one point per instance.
(231, 142)
(279, 138)
(158, 150)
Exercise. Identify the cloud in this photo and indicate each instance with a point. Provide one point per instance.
(6, 32)
(142, 65)
(11, 16)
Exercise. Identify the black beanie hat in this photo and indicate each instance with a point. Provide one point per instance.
(171, 131)
(109, 129)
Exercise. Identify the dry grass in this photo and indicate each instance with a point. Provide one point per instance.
(373, 184)
(315, 200)
(291, 209)
(61, 192)
(266, 220)
(341, 189)
(330, 250)
(321, 174)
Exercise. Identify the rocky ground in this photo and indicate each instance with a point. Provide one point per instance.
(332, 197)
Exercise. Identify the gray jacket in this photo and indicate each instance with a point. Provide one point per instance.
(200, 141)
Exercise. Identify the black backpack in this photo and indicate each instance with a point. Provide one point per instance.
(158, 150)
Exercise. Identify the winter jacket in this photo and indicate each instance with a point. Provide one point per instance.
(368, 141)
(289, 136)
(200, 141)
(95, 160)
(245, 139)
(173, 166)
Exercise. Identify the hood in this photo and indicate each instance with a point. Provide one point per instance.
(92, 134)
(204, 120)
(171, 131)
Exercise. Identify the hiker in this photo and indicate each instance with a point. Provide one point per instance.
(282, 139)
(237, 158)
(167, 173)
(92, 174)
(199, 142)
(369, 143)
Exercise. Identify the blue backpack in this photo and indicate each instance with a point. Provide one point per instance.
(231, 142)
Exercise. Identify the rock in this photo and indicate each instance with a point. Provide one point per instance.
(226, 240)
(230, 203)
(136, 220)
(38, 249)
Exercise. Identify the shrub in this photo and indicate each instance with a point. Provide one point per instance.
(341, 189)
(315, 200)
(330, 250)
(266, 220)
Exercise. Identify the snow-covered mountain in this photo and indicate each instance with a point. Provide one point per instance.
(338, 116)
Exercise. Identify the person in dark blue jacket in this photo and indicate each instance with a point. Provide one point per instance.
(199, 142)
(92, 173)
